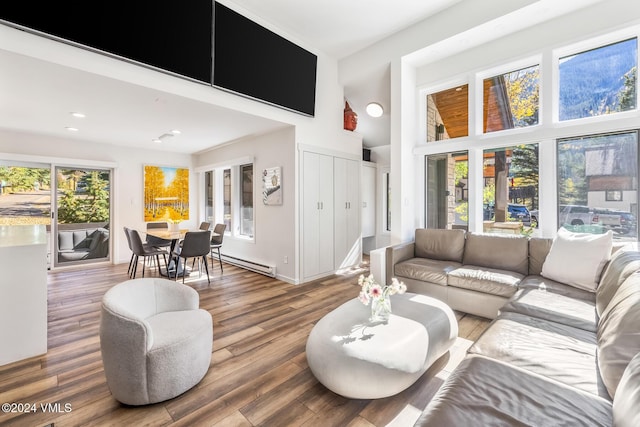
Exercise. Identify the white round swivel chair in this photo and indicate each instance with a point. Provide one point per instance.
(155, 340)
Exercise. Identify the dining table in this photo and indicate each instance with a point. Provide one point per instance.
(175, 236)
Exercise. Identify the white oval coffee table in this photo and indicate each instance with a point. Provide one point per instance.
(359, 359)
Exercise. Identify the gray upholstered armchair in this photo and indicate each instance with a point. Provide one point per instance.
(155, 341)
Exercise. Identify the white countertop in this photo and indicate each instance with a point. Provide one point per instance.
(22, 235)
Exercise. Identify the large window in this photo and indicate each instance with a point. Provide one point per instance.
(229, 200)
(599, 81)
(226, 179)
(447, 191)
(511, 100)
(510, 192)
(598, 184)
(25, 194)
(571, 157)
(246, 200)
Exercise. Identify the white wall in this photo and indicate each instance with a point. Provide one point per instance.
(275, 226)
(127, 189)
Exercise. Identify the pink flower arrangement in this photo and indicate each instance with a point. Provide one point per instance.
(370, 290)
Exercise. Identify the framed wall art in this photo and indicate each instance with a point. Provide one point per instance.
(272, 186)
(166, 194)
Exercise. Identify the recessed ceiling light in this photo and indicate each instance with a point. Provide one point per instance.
(78, 115)
(176, 132)
(157, 140)
(374, 109)
(71, 129)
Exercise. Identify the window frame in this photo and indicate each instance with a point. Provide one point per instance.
(234, 166)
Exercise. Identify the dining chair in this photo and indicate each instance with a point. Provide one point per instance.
(204, 226)
(216, 243)
(195, 245)
(126, 233)
(157, 241)
(144, 250)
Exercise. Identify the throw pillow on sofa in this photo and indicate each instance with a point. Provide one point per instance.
(577, 259)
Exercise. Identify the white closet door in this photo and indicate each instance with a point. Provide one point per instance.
(347, 212)
(326, 220)
(317, 199)
(311, 214)
(353, 242)
(368, 219)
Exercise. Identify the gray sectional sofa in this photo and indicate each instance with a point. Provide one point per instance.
(85, 243)
(554, 354)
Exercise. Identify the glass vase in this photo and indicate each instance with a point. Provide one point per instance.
(380, 309)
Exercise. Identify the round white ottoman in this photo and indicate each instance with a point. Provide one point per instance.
(359, 359)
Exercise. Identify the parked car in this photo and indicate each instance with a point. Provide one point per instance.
(609, 219)
(628, 222)
(519, 213)
(534, 216)
(575, 215)
(516, 213)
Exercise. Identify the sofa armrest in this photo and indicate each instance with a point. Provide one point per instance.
(395, 254)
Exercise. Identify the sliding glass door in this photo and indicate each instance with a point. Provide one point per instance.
(82, 216)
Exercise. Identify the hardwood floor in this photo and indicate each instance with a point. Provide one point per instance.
(258, 375)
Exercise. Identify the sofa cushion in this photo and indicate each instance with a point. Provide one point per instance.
(538, 250)
(566, 310)
(487, 392)
(577, 259)
(619, 332)
(426, 270)
(549, 285)
(487, 280)
(80, 240)
(550, 349)
(497, 251)
(626, 405)
(624, 262)
(445, 245)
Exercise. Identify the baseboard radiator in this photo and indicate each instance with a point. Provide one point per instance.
(267, 270)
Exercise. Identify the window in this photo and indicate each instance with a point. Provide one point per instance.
(599, 81)
(246, 200)
(598, 185)
(387, 201)
(25, 192)
(510, 187)
(447, 114)
(447, 191)
(543, 173)
(226, 177)
(229, 197)
(209, 210)
(511, 100)
(613, 196)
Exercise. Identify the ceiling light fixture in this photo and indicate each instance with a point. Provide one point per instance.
(71, 129)
(77, 115)
(176, 132)
(374, 109)
(157, 140)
